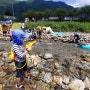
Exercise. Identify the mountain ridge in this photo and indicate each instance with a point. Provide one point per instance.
(37, 5)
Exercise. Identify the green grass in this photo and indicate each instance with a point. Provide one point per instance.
(16, 26)
(68, 26)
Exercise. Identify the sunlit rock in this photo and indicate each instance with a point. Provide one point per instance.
(48, 56)
(77, 85)
(87, 82)
(57, 79)
(66, 79)
(48, 78)
(34, 72)
(36, 59)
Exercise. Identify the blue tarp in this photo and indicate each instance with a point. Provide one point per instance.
(60, 33)
(5, 22)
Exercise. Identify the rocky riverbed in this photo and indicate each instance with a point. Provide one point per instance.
(53, 65)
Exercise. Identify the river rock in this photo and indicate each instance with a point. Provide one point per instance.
(58, 88)
(5, 54)
(1, 63)
(57, 79)
(1, 53)
(12, 67)
(48, 56)
(66, 79)
(87, 55)
(34, 72)
(86, 59)
(36, 59)
(2, 73)
(48, 78)
(40, 85)
(87, 82)
(77, 85)
(29, 61)
(57, 65)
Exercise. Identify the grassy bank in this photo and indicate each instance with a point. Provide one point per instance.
(68, 26)
(16, 26)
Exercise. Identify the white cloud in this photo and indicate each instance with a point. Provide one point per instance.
(82, 2)
(75, 3)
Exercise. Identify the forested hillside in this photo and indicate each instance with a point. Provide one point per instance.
(37, 5)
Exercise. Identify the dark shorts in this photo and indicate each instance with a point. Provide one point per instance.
(4, 32)
(20, 68)
(40, 33)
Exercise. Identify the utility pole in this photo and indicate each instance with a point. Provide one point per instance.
(13, 10)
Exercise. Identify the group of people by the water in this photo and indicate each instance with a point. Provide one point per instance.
(33, 32)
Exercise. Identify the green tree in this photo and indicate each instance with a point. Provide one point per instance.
(61, 13)
(7, 12)
(73, 13)
(39, 15)
(30, 14)
(48, 13)
(85, 13)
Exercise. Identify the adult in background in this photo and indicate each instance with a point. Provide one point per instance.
(4, 30)
(23, 27)
(20, 57)
(77, 37)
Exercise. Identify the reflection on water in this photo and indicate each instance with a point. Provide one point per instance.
(86, 50)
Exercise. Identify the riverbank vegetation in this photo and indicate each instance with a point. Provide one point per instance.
(68, 26)
(16, 26)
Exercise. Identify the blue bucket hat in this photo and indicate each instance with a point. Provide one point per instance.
(19, 33)
(18, 36)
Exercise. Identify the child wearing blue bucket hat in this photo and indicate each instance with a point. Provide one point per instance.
(20, 51)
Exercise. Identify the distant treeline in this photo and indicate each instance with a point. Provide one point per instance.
(65, 26)
(83, 14)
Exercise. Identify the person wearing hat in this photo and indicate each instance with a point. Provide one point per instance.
(20, 51)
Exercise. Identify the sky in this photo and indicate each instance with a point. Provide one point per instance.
(21, 0)
(75, 3)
